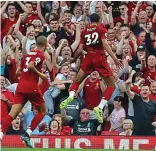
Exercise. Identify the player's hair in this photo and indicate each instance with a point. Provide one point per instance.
(94, 18)
(10, 4)
(41, 41)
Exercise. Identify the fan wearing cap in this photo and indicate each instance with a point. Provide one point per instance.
(135, 63)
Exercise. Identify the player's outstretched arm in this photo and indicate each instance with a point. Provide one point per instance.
(31, 67)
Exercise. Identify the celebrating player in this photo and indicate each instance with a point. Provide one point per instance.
(28, 89)
(93, 38)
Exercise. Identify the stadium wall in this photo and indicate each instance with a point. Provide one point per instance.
(77, 142)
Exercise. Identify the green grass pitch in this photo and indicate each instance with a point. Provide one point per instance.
(53, 149)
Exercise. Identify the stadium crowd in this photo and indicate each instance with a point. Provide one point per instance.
(131, 35)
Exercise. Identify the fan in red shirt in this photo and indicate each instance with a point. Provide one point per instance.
(94, 40)
(7, 99)
(28, 89)
(12, 16)
(31, 16)
(92, 90)
(150, 71)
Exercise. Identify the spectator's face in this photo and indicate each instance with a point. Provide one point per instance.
(82, 25)
(54, 26)
(81, 3)
(17, 43)
(11, 11)
(142, 18)
(84, 115)
(77, 11)
(122, 9)
(126, 125)
(19, 54)
(65, 70)
(16, 122)
(68, 17)
(142, 38)
(149, 25)
(111, 34)
(117, 104)
(140, 54)
(55, 5)
(72, 75)
(149, 11)
(126, 50)
(32, 47)
(151, 61)
(8, 41)
(54, 125)
(126, 30)
(118, 25)
(38, 25)
(144, 93)
(94, 75)
(66, 52)
(98, 7)
(3, 82)
(32, 32)
(52, 39)
(59, 119)
(29, 7)
(153, 87)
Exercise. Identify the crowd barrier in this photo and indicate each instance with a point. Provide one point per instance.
(77, 142)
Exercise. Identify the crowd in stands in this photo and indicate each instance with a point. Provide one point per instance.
(131, 35)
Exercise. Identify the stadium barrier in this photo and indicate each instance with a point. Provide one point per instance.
(77, 142)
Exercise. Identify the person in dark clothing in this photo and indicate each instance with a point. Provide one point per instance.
(54, 28)
(148, 41)
(135, 63)
(15, 128)
(83, 126)
(144, 111)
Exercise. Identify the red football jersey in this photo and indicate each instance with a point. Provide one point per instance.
(28, 82)
(149, 76)
(91, 38)
(92, 93)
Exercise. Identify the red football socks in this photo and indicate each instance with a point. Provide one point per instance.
(6, 123)
(36, 121)
(108, 92)
(74, 86)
